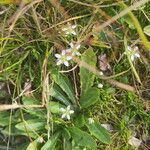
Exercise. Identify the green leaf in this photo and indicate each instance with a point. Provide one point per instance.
(31, 125)
(4, 118)
(54, 107)
(86, 77)
(50, 144)
(33, 145)
(99, 132)
(147, 30)
(129, 21)
(90, 97)
(41, 113)
(65, 84)
(82, 138)
(57, 93)
(66, 133)
(79, 120)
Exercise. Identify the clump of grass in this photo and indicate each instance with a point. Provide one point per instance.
(67, 68)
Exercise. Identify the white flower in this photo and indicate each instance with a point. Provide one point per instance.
(133, 52)
(69, 29)
(101, 73)
(66, 112)
(100, 85)
(74, 49)
(90, 120)
(63, 58)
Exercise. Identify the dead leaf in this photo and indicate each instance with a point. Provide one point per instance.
(135, 142)
(104, 63)
(27, 88)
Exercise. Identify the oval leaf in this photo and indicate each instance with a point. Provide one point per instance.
(31, 125)
(90, 97)
(50, 144)
(65, 84)
(82, 138)
(99, 132)
(57, 93)
(86, 77)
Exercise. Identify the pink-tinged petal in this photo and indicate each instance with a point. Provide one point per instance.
(71, 111)
(66, 63)
(73, 26)
(62, 109)
(68, 117)
(132, 57)
(63, 116)
(57, 55)
(64, 29)
(74, 33)
(137, 55)
(69, 57)
(59, 62)
(63, 52)
(68, 107)
(78, 46)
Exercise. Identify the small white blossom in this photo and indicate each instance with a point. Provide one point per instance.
(69, 29)
(101, 73)
(63, 58)
(74, 49)
(91, 120)
(66, 112)
(133, 52)
(100, 85)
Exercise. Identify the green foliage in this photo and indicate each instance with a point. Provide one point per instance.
(82, 138)
(90, 97)
(86, 77)
(55, 110)
(64, 83)
(99, 132)
(50, 144)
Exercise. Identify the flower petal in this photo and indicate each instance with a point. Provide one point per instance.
(71, 45)
(73, 26)
(57, 55)
(64, 29)
(66, 63)
(62, 109)
(68, 107)
(59, 62)
(63, 52)
(74, 33)
(71, 111)
(63, 116)
(69, 57)
(132, 57)
(137, 55)
(68, 117)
